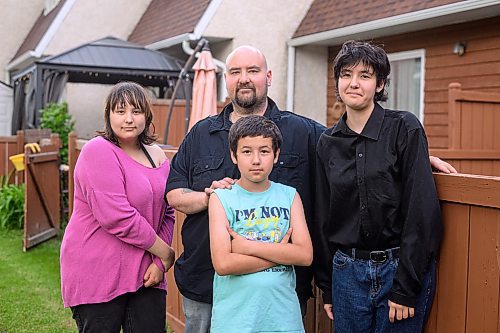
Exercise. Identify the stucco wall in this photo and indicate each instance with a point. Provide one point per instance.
(16, 19)
(311, 65)
(265, 24)
(94, 19)
(86, 105)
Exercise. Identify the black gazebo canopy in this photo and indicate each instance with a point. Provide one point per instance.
(105, 61)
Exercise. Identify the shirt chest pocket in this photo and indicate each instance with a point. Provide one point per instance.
(288, 170)
(205, 171)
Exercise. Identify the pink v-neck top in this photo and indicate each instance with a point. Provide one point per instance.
(119, 208)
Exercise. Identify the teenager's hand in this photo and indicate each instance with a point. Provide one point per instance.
(153, 275)
(286, 238)
(238, 242)
(400, 312)
(440, 165)
(328, 310)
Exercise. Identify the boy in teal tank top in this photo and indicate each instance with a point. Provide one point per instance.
(258, 232)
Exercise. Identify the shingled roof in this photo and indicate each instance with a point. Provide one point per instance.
(164, 19)
(327, 15)
(38, 30)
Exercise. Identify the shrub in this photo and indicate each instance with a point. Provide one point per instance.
(11, 205)
(57, 118)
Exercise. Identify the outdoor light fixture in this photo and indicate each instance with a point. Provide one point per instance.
(459, 48)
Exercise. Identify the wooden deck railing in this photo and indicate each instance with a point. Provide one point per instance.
(467, 296)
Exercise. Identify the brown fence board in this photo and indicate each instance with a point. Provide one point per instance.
(451, 296)
(473, 118)
(473, 190)
(431, 325)
(175, 315)
(11, 145)
(177, 129)
(42, 195)
(310, 319)
(323, 323)
(483, 286)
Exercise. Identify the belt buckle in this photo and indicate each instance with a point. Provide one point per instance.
(378, 257)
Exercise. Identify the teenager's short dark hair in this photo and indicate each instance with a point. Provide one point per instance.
(253, 126)
(135, 95)
(354, 52)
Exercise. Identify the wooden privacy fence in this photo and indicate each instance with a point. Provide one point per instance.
(13, 145)
(473, 131)
(177, 129)
(467, 295)
(41, 193)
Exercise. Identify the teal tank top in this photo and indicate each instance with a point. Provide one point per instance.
(264, 301)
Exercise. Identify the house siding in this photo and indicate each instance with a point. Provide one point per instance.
(478, 69)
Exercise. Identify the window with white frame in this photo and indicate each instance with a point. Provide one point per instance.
(406, 87)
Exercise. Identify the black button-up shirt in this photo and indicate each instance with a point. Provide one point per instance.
(204, 157)
(376, 192)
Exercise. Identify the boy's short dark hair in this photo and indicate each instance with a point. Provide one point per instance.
(354, 52)
(253, 126)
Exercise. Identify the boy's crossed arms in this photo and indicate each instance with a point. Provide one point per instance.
(233, 254)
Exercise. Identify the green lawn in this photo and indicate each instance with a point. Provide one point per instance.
(30, 293)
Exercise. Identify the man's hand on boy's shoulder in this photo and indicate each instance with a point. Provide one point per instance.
(223, 183)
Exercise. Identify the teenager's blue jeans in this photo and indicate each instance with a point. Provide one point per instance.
(360, 289)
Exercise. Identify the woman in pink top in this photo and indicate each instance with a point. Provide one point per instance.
(115, 249)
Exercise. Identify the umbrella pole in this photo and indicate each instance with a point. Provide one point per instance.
(187, 112)
(182, 74)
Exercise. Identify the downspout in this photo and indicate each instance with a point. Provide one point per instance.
(290, 86)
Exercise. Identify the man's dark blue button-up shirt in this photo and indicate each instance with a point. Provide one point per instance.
(204, 157)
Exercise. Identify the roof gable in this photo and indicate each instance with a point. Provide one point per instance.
(168, 18)
(38, 30)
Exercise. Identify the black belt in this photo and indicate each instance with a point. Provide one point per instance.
(375, 256)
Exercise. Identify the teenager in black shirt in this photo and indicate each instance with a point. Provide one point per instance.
(378, 215)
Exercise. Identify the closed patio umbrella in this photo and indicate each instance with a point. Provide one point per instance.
(204, 88)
